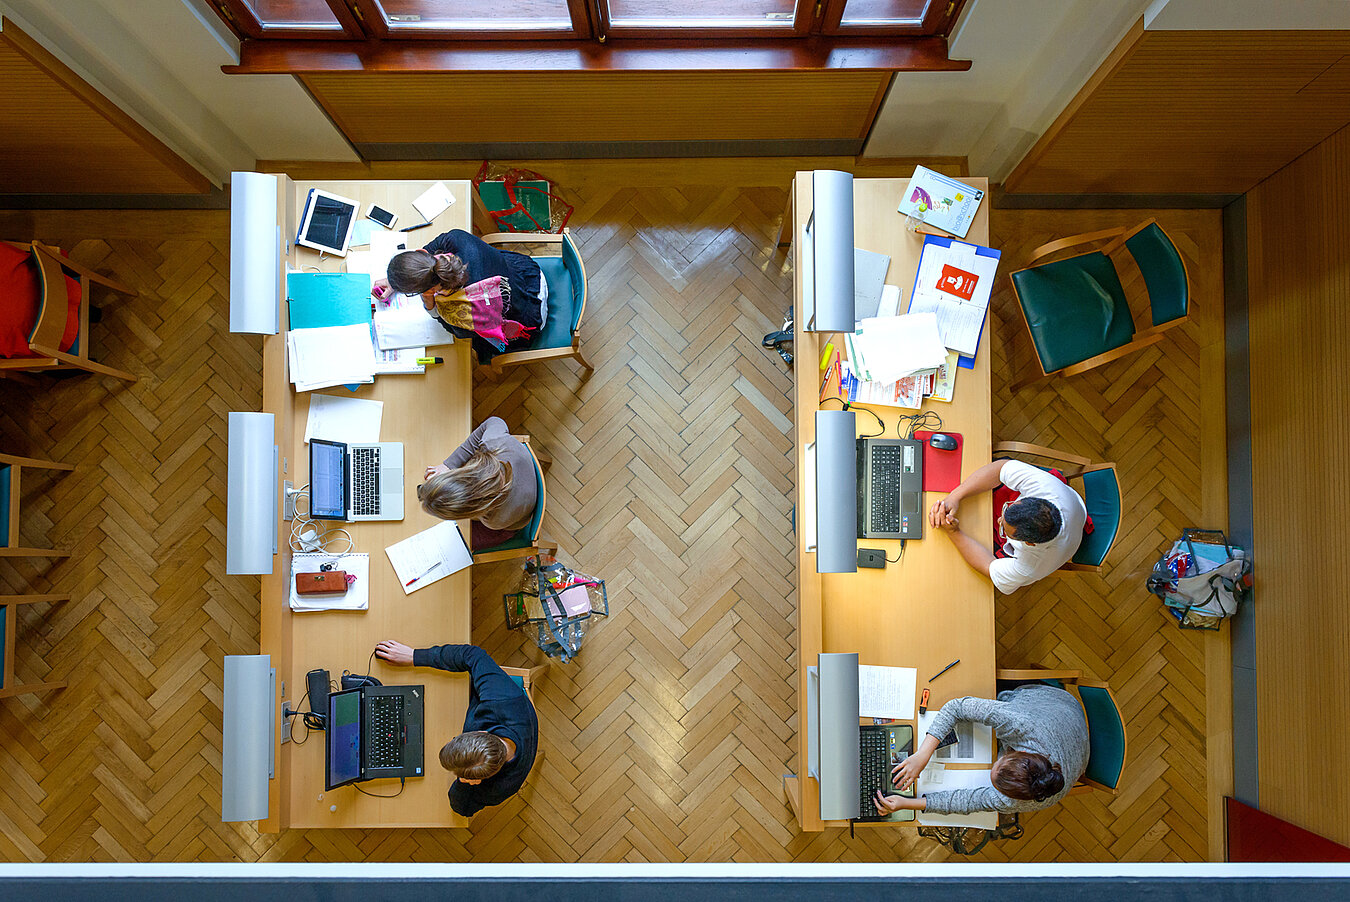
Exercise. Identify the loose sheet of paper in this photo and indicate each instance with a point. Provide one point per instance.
(431, 555)
(434, 201)
(358, 594)
(404, 322)
(886, 691)
(949, 779)
(974, 741)
(895, 346)
(354, 421)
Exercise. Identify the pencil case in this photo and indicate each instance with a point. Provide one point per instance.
(329, 582)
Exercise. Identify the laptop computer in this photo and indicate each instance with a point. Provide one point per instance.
(890, 488)
(355, 482)
(880, 748)
(373, 732)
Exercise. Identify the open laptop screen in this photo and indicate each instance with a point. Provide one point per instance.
(344, 738)
(327, 480)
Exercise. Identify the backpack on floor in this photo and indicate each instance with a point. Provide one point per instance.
(1202, 579)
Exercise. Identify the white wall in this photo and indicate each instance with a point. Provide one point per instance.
(159, 61)
(1247, 15)
(1029, 58)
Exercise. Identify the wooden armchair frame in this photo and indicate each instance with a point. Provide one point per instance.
(52, 314)
(549, 239)
(536, 546)
(11, 602)
(1115, 239)
(1080, 466)
(17, 465)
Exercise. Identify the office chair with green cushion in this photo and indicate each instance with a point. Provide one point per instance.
(1106, 736)
(566, 277)
(1075, 308)
(1100, 490)
(526, 542)
(11, 477)
(9, 625)
(44, 311)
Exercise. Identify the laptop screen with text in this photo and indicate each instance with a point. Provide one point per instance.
(327, 480)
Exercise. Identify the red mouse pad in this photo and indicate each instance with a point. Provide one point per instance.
(941, 469)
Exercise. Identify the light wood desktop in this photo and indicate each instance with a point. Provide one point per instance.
(930, 608)
(430, 415)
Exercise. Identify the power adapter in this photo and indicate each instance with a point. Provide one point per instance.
(873, 558)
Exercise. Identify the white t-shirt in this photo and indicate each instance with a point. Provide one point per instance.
(1032, 562)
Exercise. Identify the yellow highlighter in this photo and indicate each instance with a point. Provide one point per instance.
(825, 358)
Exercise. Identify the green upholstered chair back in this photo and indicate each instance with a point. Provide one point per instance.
(1075, 309)
(1163, 271)
(1106, 736)
(1101, 495)
(577, 270)
(5, 475)
(527, 536)
(4, 621)
(566, 277)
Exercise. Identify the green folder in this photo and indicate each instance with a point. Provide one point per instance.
(532, 195)
(320, 299)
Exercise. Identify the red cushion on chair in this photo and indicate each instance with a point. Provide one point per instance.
(19, 287)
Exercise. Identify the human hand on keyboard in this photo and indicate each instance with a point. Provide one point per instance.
(906, 772)
(887, 804)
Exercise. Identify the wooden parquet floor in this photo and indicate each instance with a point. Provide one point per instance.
(666, 739)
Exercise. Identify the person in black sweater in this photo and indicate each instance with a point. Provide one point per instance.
(494, 754)
(455, 259)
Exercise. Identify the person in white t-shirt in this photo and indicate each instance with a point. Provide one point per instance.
(1041, 530)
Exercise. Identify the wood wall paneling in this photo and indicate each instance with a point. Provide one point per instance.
(58, 135)
(1299, 318)
(1193, 112)
(565, 107)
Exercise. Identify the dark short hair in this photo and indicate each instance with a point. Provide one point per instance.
(1028, 776)
(474, 756)
(1035, 520)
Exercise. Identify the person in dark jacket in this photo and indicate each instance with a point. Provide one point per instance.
(494, 754)
(456, 259)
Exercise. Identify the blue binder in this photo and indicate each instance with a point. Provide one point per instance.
(317, 299)
(980, 251)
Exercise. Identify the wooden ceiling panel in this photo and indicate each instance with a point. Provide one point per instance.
(60, 136)
(533, 107)
(1193, 112)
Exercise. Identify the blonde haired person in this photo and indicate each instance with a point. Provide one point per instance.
(489, 479)
(494, 754)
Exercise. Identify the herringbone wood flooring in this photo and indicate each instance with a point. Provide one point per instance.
(667, 738)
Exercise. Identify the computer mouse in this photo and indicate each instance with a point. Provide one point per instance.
(942, 442)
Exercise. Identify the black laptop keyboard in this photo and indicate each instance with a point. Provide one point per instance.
(887, 466)
(874, 769)
(365, 481)
(384, 731)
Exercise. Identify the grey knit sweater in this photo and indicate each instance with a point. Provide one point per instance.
(1030, 718)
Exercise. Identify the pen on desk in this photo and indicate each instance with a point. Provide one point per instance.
(416, 227)
(422, 574)
(945, 669)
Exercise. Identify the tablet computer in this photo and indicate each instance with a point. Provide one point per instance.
(327, 222)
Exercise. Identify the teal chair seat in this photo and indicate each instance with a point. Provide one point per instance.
(562, 305)
(4, 510)
(1075, 309)
(1101, 495)
(1106, 737)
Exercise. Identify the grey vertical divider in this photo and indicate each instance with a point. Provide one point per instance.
(836, 492)
(838, 718)
(832, 212)
(246, 737)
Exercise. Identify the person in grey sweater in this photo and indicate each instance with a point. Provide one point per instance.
(489, 479)
(1043, 739)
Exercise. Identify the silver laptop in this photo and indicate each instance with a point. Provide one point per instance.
(355, 482)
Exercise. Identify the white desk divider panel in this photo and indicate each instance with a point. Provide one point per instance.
(247, 736)
(832, 740)
(836, 491)
(831, 245)
(255, 254)
(251, 494)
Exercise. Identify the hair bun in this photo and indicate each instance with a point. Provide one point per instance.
(1047, 783)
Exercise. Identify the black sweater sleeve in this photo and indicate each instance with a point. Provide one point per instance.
(488, 679)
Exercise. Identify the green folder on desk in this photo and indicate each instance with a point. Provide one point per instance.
(320, 299)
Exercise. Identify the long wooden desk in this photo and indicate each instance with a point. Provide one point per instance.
(930, 608)
(430, 415)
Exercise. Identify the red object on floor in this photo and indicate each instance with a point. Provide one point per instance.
(941, 469)
(1256, 836)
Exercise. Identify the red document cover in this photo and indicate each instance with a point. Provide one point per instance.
(941, 469)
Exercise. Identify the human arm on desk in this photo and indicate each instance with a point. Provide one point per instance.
(489, 428)
(394, 652)
(985, 479)
(906, 772)
(489, 680)
(972, 552)
(897, 803)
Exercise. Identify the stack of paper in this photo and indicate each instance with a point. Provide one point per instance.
(434, 201)
(353, 421)
(405, 323)
(332, 355)
(885, 348)
(954, 283)
(430, 555)
(357, 597)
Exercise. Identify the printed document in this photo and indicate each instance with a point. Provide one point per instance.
(430, 555)
(886, 691)
(354, 421)
(954, 283)
(405, 323)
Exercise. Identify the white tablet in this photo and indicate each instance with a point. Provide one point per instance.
(327, 222)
